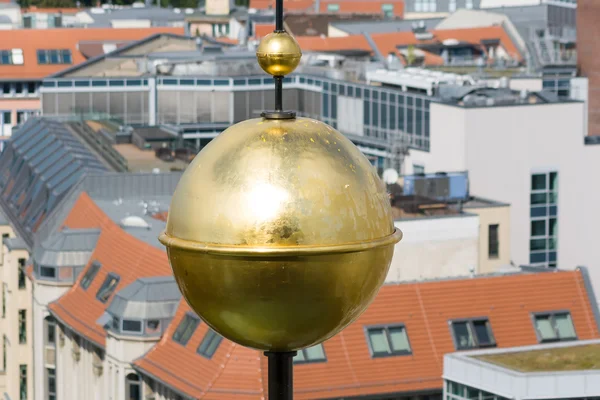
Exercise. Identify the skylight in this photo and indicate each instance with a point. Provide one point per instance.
(389, 340)
(90, 274)
(554, 326)
(186, 329)
(54, 56)
(472, 334)
(11, 57)
(107, 288)
(310, 355)
(209, 344)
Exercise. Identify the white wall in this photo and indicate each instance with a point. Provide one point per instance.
(43, 294)
(435, 248)
(502, 146)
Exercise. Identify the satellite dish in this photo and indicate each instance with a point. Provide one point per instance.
(390, 176)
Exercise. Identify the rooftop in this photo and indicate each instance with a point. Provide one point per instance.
(31, 40)
(572, 358)
(350, 370)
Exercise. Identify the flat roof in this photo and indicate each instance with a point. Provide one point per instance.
(572, 358)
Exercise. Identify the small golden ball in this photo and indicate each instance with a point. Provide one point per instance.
(278, 53)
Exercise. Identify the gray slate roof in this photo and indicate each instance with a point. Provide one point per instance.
(15, 244)
(147, 298)
(157, 16)
(68, 247)
(356, 28)
(44, 160)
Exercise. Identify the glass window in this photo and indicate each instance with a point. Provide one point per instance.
(555, 327)
(47, 272)
(152, 326)
(23, 382)
(186, 328)
(42, 57)
(132, 326)
(209, 344)
(472, 334)
(538, 182)
(493, 242)
(538, 228)
(366, 112)
(133, 387)
(388, 341)
(19, 88)
(312, 354)
(22, 326)
(7, 117)
(51, 373)
(90, 274)
(50, 331)
(107, 288)
(6, 88)
(375, 114)
(21, 275)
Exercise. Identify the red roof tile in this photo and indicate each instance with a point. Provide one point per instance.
(49, 10)
(345, 6)
(424, 308)
(31, 40)
(288, 5)
(262, 30)
(117, 252)
(315, 43)
(363, 6)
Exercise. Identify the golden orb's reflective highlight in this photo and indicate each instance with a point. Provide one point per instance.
(280, 233)
(278, 54)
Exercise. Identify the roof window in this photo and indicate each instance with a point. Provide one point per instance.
(11, 57)
(108, 287)
(311, 355)
(209, 344)
(54, 56)
(390, 340)
(90, 274)
(554, 326)
(186, 329)
(472, 333)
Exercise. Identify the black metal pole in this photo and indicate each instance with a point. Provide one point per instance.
(278, 93)
(281, 371)
(279, 16)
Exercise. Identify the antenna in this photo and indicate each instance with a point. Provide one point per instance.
(390, 176)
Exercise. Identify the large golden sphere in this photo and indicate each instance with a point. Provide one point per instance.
(278, 53)
(280, 233)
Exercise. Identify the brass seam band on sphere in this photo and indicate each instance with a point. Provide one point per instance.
(249, 251)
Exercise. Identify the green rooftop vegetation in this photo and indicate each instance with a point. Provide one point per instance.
(574, 358)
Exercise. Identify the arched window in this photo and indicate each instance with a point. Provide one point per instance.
(133, 387)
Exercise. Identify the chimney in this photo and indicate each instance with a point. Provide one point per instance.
(393, 62)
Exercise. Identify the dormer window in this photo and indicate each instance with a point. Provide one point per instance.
(11, 57)
(54, 56)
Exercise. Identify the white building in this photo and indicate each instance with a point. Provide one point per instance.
(547, 371)
(530, 153)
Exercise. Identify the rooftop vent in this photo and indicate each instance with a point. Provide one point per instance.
(134, 221)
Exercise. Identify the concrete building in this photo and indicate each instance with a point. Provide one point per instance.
(517, 150)
(587, 59)
(29, 60)
(547, 371)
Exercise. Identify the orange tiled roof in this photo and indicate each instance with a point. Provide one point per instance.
(30, 40)
(315, 43)
(345, 6)
(262, 30)
(363, 6)
(50, 10)
(118, 252)
(424, 308)
(389, 42)
(288, 5)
